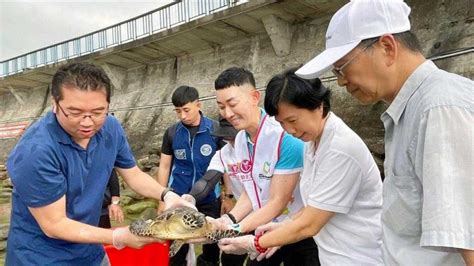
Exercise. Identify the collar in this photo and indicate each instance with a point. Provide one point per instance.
(202, 126)
(327, 132)
(411, 85)
(57, 132)
(262, 115)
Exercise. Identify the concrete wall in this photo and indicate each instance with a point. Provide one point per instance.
(440, 25)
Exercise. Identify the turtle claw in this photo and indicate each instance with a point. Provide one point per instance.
(175, 246)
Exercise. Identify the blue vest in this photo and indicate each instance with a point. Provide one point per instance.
(191, 157)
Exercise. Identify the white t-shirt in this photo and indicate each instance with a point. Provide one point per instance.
(342, 177)
(223, 161)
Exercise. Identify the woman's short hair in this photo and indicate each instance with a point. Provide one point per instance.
(301, 93)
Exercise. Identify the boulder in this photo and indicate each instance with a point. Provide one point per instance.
(130, 193)
(4, 231)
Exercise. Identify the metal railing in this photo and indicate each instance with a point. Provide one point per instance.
(163, 18)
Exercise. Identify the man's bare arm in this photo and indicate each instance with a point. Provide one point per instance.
(281, 192)
(468, 256)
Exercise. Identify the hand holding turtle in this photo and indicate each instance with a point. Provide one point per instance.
(189, 198)
(172, 199)
(216, 224)
(266, 228)
(122, 237)
(239, 245)
(222, 223)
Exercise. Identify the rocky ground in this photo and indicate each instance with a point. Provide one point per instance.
(5, 208)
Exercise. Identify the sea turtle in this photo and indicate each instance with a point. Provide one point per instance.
(179, 224)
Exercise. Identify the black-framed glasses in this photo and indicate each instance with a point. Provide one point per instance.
(338, 70)
(76, 117)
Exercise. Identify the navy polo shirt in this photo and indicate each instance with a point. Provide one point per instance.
(47, 164)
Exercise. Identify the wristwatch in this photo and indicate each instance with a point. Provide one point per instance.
(116, 202)
(166, 190)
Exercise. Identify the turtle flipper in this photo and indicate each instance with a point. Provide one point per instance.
(175, 246)
(219, 234)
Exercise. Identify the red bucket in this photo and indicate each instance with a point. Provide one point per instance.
(155, 254)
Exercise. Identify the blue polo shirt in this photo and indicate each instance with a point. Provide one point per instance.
(47, 164)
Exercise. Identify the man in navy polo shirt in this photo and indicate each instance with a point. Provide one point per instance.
(60, 169)
(187, 149)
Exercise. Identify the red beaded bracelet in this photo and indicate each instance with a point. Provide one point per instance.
(259, 248)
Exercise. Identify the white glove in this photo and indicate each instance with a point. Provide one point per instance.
(239, 245)
(221, 223)
(172, 199)
(225, 219)
(118, 236)
(122, 237)
(189, 198)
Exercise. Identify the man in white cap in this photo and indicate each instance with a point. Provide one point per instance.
(428, 204)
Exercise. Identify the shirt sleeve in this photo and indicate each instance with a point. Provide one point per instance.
(220, 143)
(216, 162)
(337, 182)
(445, 161)
(36, 175)
(167, 144)
(291, 155)
(125, 158)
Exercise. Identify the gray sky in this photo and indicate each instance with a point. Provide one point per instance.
(29, 25)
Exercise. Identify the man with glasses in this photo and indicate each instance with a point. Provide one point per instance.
(60, 169)
(427, 208)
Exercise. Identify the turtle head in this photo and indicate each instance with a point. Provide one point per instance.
(194, 220)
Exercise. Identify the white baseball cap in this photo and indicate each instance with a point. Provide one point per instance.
(356, 21)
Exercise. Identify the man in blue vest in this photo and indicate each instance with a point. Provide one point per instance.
(187, 149)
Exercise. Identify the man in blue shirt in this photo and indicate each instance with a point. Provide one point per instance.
(187, 149)
(60, 169)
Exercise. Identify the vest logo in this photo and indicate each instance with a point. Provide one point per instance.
(206, 149)
(180, 154)
(245, 166)
(233, 168)
(266, 168)
(265, 171)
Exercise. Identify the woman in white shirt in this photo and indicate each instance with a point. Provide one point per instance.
(340, 184)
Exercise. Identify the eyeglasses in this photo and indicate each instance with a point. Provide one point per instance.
(76, 117)
(338, 70)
